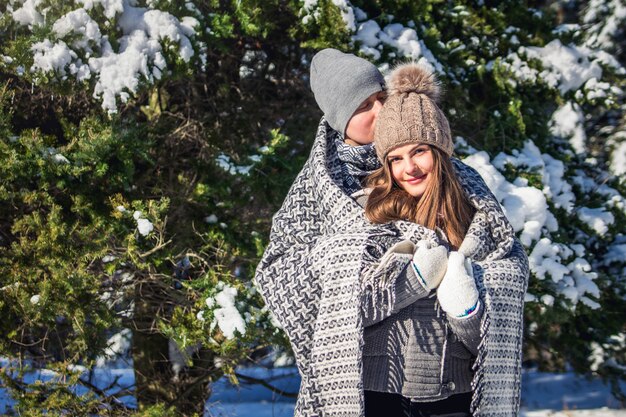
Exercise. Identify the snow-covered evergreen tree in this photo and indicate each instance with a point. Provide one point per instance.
(145, 145)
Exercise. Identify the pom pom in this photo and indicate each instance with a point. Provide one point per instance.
(414, 78)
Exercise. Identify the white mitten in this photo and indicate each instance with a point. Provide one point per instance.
(430, 264)
(457, 293)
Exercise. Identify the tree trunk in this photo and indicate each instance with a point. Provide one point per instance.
(153, 372)
(161, 376)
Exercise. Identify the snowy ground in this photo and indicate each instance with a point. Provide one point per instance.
(543, 394)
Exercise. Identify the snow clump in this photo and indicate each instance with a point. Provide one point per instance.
(117, 72)
(227, 317)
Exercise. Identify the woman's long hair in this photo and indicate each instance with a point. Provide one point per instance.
(443, 204)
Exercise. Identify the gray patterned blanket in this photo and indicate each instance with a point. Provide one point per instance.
(311, 279)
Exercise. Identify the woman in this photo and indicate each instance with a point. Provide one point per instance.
(409, 354)
(326, 263)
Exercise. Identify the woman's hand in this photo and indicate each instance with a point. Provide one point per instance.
(457, 293)
(430, 264)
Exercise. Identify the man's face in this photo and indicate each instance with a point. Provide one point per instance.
(360, 128)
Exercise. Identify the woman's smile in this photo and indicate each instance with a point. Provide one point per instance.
(416, 179)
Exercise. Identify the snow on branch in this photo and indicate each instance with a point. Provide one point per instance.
(81, 47)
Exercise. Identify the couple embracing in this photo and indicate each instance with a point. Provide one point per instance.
(391, 266)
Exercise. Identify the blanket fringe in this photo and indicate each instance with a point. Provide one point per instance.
(380, 299)
(478, 367)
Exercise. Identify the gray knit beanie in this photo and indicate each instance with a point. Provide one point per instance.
(410, 113)
(340, 83)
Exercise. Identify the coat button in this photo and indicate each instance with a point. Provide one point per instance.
(451, 386)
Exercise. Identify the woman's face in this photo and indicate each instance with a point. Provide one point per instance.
(411, 167)
(360, 128)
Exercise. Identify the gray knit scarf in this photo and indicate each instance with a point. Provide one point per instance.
(357, 162)
(311, 279)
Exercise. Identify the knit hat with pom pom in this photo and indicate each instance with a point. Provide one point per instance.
(410, 113)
